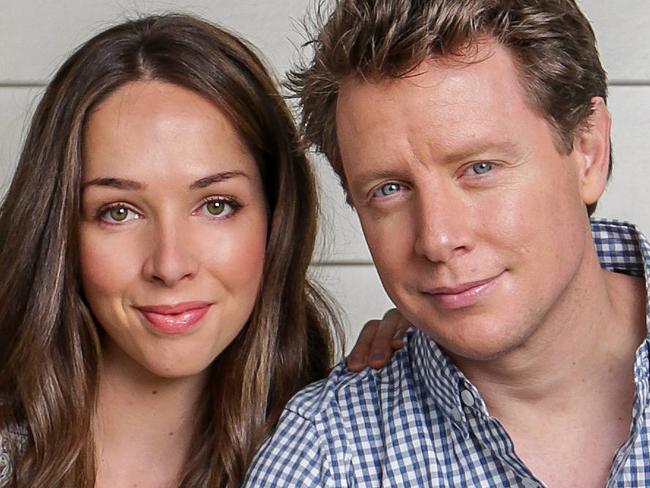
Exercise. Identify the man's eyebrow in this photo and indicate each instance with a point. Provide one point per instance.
(390, 171)
(374, 174)
(118, 183)
(216, 178)
(480, 148)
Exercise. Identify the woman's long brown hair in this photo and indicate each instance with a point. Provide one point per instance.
(50, 351)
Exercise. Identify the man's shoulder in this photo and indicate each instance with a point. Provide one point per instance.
(332, 428)
(358, 429)
(345, 390)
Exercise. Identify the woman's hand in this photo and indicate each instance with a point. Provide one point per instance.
(377, 341)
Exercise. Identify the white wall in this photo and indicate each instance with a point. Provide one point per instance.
(37, 35)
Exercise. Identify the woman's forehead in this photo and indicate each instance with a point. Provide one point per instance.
(157, 127)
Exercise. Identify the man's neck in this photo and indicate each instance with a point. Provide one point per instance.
(582, 349)
(572, 383)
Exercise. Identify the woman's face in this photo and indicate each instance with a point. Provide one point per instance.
(173, 228)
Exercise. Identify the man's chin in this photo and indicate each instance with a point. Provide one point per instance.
(478, 343)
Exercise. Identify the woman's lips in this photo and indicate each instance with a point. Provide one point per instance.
(463, 295)
(174, 319)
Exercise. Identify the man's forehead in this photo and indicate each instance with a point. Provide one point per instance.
(443, 113)
(472, 53)
(463, 95)
(491, 69)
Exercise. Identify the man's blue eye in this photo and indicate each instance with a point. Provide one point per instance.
(387, 189)
(482, 167)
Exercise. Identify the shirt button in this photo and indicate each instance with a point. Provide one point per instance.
(467, 398)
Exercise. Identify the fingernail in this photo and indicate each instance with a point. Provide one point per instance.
(398, 335)
(354, 359)
(377, 356)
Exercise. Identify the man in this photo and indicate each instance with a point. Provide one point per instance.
(472, 137)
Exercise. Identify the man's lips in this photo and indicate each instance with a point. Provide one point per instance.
(455, 290)
(174, 319)
(462, 295)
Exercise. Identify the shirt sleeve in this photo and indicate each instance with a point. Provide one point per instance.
(293, 456)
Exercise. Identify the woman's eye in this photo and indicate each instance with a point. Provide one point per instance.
(218, 208)
(118, 214)
(481, 168)
(387, 190)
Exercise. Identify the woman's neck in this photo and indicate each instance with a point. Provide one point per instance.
(143, 424)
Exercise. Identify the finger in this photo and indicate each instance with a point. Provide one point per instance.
(397, 341)
(381, 348)
(358, 357)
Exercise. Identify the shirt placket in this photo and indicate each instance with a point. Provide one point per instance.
(641, 398)
(492, 436)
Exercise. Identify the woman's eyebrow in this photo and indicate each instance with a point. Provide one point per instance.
(216, 178)
(125, 184)
(119, 183)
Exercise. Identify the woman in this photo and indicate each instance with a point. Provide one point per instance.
(155, 313)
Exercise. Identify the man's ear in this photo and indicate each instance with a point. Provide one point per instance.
(591, 148)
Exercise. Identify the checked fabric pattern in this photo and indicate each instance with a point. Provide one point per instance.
(420, 423)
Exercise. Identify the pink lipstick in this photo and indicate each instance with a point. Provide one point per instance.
(174, 319)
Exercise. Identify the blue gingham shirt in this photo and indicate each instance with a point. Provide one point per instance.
(420, 422)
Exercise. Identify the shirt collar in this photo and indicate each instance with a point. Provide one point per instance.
(438, 375)
(620, 248)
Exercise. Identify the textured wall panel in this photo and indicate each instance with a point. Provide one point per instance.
(36, 35)
(16, 106)
(358, 291)
(623, 37)
(627, 195)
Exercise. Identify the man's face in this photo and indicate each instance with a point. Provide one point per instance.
(475, 220)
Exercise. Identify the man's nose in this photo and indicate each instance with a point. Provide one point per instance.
(443, 224)
(171, 258)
